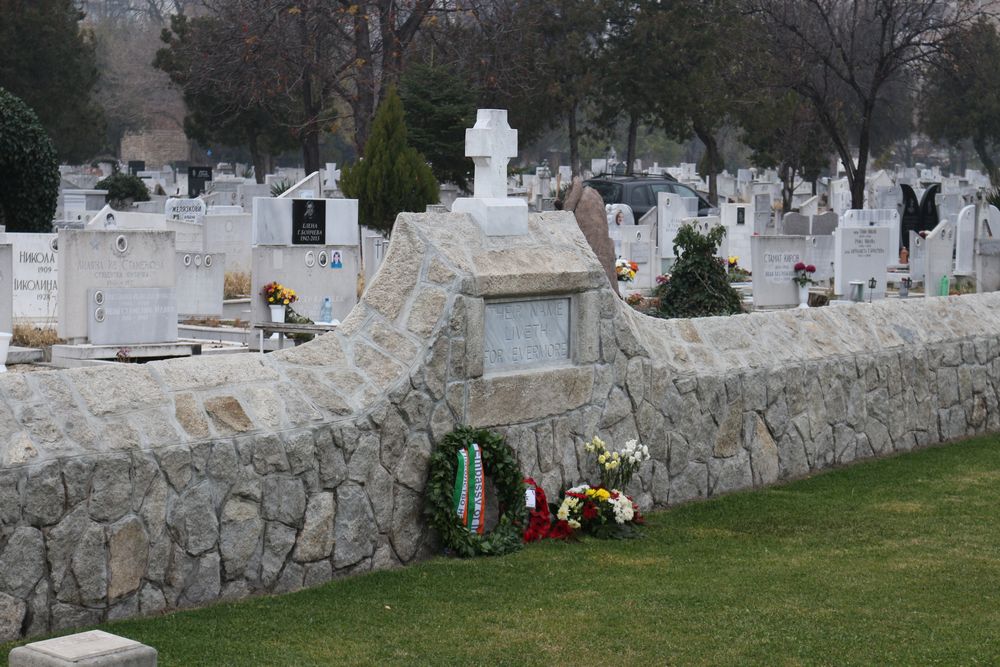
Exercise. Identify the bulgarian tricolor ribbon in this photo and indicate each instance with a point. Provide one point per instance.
(469, 495)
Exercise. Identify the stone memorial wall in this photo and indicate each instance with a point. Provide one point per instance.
(132, 489)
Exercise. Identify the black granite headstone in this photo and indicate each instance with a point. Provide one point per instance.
(911, 216)
(197, 178)
(928, 208)
(308, 222)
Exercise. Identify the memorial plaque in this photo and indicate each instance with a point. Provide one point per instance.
(34, 277)
(186, 210)
(308, 222)
(526, 334)
(774, 260)
(132, 316)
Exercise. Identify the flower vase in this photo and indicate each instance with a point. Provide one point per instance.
(804, 296)
(277, 312)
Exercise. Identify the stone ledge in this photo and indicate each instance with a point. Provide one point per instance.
(504, 399)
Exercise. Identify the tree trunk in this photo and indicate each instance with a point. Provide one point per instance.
(979, 143)
(711, 163)
(860, 172)
(574, 141)
(787, 187)
(258, 159)
(364, 106)
(633, 132)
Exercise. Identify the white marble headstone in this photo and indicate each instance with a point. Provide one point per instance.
(860, 254)
(774, 260)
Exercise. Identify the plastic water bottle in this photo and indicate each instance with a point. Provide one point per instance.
(945, 285)
(326, 312)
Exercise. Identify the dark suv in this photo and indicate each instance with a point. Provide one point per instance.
(640, 192)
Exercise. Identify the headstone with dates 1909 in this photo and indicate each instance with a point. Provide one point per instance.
(491, 143)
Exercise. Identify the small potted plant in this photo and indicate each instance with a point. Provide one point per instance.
(278, 298)
(803, 278)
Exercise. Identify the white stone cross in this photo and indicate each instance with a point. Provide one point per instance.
(491, 143)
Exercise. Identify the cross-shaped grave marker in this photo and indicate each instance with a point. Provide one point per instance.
(491, 143)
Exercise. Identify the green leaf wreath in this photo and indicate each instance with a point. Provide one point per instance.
(499, 465)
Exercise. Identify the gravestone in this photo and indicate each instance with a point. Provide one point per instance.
(78, 203)
(737, 219)
(940, 249)
(877, 218)
(987, 258)
(639, 247)
(374, 245)
(6, 287)
(861, 253)
(774, 259)
(135, 166)
(186, 210)
(910, 219)
(810, 206)
(312, 246)
(620, 218)
(232, 236)
(114, 262)
(819, 253)
(795, 224)
(825, 223)
(197, 180)
(35, 277)
(491, 143)
(928, 208)
(278, 221)
(918, 250)
(965, 241)
(948, 206)
(189, 236)
(762, 213)
(671, 209)
(247, 192)
(200, 283)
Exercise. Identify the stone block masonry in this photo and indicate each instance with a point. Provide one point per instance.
(129, 490)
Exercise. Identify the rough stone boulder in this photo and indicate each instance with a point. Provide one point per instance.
(588, 207)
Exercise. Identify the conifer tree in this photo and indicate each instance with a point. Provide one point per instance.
(29, 172)
(392, 176)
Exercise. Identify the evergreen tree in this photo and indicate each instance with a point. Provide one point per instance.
(439, 106)
(49, 62)
(698, 285)
(29, 171)
(392, 177)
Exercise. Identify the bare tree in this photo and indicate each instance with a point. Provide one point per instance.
(843, 56)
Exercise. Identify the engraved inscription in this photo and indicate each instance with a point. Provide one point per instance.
(526, 333)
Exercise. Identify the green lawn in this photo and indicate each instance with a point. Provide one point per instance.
(892, 562)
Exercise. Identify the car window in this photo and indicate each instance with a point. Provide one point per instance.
(641, 196)
(684, 191)
(657, 188)
(611, 193)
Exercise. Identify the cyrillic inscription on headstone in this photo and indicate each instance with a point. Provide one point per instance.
(308, 222)
(526, 333)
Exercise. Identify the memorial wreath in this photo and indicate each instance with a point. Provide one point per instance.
(455, 493)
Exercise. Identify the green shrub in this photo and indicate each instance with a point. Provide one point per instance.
(392, 177)
(123, 189)
(29, 170)
(698, 285)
